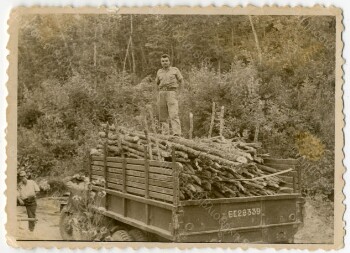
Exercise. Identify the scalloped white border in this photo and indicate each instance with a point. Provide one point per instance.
(138, 245)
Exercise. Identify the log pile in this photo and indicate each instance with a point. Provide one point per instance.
(209, 168)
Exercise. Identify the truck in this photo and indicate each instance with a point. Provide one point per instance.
(142, 202)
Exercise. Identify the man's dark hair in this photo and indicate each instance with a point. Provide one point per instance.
(165, 56)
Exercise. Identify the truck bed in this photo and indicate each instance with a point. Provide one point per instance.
(145, 194)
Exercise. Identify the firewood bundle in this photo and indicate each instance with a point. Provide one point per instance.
(209, 168)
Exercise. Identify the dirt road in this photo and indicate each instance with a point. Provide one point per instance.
(46, 228)
(318, 226)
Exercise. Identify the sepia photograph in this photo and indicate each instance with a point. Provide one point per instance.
(172, 127)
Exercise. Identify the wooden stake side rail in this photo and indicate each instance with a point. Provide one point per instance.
(158, 179)
(292, 178)
(146, 178)
(281, 161)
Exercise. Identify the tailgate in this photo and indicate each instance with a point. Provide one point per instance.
(251, 219)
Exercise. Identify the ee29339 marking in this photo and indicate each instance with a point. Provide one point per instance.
(243, 212)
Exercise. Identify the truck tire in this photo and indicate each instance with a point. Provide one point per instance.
(121, 236)
(66, 230)
(137, 235)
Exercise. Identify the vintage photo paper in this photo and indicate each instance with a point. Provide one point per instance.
(175, 127)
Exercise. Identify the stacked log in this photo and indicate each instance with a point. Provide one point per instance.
(209, 168)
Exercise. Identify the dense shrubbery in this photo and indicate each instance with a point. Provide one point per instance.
(67, 127)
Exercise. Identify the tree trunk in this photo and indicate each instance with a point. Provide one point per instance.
(191, 126)
(221, 120)
(257, 126)
(256, 40)
(212, 120)
(126, 57)
(132, 47)
(95, 58)
(232, 47)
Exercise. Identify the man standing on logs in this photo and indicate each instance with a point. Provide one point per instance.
(26, 196)
(168, 80)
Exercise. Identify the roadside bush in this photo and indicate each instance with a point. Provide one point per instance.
(318, 175)
(234, 90)
(32, 155)
(28, 115)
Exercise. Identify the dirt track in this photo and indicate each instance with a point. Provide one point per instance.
(318, 226)
(48, 219)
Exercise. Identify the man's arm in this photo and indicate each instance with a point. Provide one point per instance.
(157, 79)
(20, 201)
(36, 187)
(180, 78)
(182, 83)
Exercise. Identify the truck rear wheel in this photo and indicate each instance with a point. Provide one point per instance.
(121, 236)
(137, 235)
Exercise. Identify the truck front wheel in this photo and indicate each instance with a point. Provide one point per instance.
(121, 236)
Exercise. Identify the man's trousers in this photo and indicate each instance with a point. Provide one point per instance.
(31, 205)
(169, 112)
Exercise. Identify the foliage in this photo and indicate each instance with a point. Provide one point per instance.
(86, 222)
(318, 176)
(309, 146)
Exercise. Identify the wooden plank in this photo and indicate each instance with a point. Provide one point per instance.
(161, 196)
(288, 179)
(152, 182)
(164, 181)
(142, 174)
(152, 169)
(115, 180)
(98, 168)
(141, 185)
(154, 163)
(116, 170)
(96, 177)
(99, 163)
(155, 182)
(151, 188)
(97, 172)
(288, 174)
(141, 192)
(290, 185)
(281, 161)
(280, 166)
